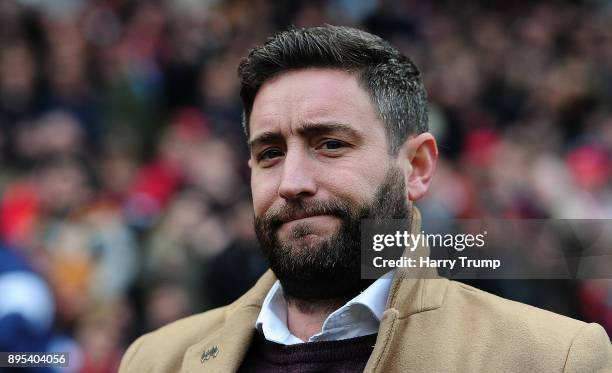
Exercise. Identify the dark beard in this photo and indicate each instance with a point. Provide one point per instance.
(331, 270)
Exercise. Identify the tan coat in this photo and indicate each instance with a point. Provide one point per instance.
(429, 325)
(433, 325)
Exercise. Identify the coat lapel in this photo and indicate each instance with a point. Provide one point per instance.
(411, 292)
(224, 349)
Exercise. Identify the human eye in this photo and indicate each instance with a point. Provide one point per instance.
(269, 154)
(331, 144)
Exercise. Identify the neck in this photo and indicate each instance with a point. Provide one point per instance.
(305, 318)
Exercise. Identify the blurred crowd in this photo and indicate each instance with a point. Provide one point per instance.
(124, 190)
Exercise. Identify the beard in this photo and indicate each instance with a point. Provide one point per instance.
(329, 270)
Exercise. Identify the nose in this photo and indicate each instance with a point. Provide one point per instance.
(298, 179)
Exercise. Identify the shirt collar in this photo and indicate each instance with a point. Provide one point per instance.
(272, 319)
(374, 297)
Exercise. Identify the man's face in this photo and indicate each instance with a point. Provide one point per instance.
(319, 164)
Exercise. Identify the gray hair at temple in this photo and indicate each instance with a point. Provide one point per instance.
(391, 79)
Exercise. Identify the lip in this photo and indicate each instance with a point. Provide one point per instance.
(302, 217)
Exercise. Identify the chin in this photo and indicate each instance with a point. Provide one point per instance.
(309, 241)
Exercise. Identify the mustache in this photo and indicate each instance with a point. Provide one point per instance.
(301, 209)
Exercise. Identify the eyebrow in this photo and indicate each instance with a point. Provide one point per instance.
(306, 130)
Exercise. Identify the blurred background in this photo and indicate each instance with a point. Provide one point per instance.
(124, 193)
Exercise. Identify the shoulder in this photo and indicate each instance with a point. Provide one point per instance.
(490, 307)
(163, 350)
(164, 347)
(528, 330)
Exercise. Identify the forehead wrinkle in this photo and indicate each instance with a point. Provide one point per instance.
(342, 111)
(316, 104)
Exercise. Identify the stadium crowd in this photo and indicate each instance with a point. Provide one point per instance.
(124, 192)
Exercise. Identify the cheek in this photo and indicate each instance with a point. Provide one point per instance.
(264, 192)
(352, 183)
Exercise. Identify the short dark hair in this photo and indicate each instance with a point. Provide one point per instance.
(391, 79)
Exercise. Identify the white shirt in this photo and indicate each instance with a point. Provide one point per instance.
(358, 317)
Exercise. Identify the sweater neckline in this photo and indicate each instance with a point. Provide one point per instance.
(309, 352)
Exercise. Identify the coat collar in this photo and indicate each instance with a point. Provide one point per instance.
(414, 291)
(227, 346)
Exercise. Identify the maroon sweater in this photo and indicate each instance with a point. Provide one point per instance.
(344, 356)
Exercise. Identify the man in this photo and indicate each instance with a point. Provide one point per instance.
(336, 122)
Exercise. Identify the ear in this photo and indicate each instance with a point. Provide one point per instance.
(417, 158)
(250, 162)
